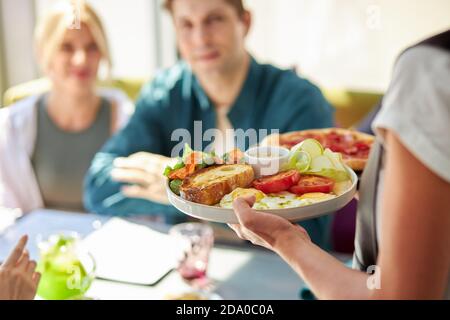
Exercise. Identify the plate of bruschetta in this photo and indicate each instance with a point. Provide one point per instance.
(300, 183)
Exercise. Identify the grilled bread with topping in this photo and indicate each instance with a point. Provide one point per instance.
(208, 186)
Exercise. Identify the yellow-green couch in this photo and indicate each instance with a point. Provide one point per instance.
(351, 106)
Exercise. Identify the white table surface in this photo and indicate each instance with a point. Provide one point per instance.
(238, 272)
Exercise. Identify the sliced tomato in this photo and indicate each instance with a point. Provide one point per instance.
(311, 183)
(278, 182)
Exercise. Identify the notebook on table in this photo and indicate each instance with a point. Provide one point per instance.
(131, 253)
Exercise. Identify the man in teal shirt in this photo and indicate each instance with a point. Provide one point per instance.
(217, 73)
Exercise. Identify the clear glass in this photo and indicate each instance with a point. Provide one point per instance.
(67, 271)
(196, 241)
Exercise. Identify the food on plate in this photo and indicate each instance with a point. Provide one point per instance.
(309, 174)
(315, 197)
(278, 182)
(309, 157)
(189, 162)
(266, 160)
(192, 161)
(312, 174)
(234, 156)
(280, 200)
(353, 145)
(309, 184)
(209, 185)
(286, 200)
(227, 200)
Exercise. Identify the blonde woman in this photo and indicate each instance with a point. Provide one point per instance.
(48, 140)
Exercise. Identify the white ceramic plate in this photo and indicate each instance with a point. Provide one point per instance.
(218, 214)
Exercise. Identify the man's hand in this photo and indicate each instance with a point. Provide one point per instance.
(261, 228)
(18, 279)
(144, 172)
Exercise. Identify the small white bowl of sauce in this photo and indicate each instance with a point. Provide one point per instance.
(266, 160)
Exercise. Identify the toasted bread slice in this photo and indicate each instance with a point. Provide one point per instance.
(209, 185)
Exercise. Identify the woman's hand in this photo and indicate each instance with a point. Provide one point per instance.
(18, 279)
(144, 172)
(264, 229)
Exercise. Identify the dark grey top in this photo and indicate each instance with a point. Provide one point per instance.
(60, 159)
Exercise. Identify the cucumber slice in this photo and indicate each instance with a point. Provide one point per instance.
(298, 160)
(335, 158)
(321, 163)
(312, 146)
(336, 175)
(302, 161)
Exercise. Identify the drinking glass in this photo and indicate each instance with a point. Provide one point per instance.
(196, 241)
(67, 270)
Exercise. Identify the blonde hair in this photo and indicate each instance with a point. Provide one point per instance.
(51, 29)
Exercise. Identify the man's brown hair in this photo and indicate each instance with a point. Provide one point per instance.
(237, 4)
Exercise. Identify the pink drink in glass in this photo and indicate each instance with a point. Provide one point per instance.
(197, 240)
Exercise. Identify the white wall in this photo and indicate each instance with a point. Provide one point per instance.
(168, 41)
(339, 43)
(17, 33)
(2, 67)
(343, 43)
